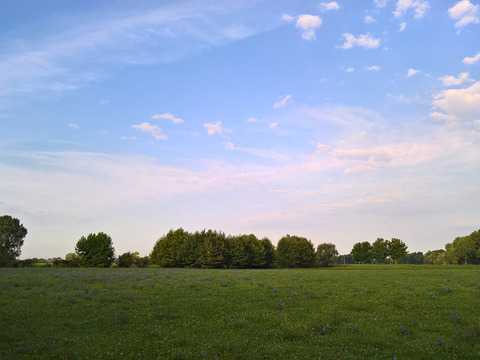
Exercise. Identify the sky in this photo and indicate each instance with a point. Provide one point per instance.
(340, 121)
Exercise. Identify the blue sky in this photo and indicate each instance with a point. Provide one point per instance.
(340, 121)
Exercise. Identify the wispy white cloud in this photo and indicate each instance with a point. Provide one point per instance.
(168, 116)
(412, 72)
(403, 26)
(373, 68)
(464, 12)
(349, 69)
(288, 17)
(365, 41)
(419, 6)
(326, 6)
(103, 102)
(403, 98)
(368, 19)
(472, 60)
(308, 23)
(453, 81)
(321, 148)
(282, 102)
(380, 3)
(93, 49)
(74, 126)
(215, 128)
(154, 130)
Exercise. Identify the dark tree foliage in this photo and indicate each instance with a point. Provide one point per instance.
(12, 235)
(326, 254)
(362, 252)
(397, 249)
(212, 249)
(214, 252)
(415, 258)
(71, 260)
(345, 259)
(464, 250)
(95, 250)
(295, 252)
(246, 251)
(167, 250)
(270, 254)
(190, 252)
(435, 257)
(380, 250)
(128, 259)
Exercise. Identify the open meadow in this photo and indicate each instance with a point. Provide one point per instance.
(349, 312)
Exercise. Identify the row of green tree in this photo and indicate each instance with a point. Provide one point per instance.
(463, 250)
(212, 249)
(379, 251)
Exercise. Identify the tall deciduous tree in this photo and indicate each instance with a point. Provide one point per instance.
(397, 249)
(362, 252)
(464, 249)
(380, 250)
(12, 235)
(95, 250)
(326, 254)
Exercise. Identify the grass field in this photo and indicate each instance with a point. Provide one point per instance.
(351, 312)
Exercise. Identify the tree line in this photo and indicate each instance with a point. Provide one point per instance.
(214, 249)
(379, 251)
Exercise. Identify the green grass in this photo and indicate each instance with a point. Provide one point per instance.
(347, 312)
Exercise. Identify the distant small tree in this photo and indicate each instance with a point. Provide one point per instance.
(397, 249)
(415, 258)
(71, 259)
(435, 257)
(95, 250)
(127, 259)
(12, 235)
(345, 259)
(326, 254)
(362, 252)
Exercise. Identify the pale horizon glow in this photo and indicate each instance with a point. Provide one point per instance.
(340, 121)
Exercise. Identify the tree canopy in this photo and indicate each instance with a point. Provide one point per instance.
(397, 249)
(95, 250)
(295, 252)
(362, 252)
(326, 254)
(12, 235)
(380, 250)
(464, 250)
